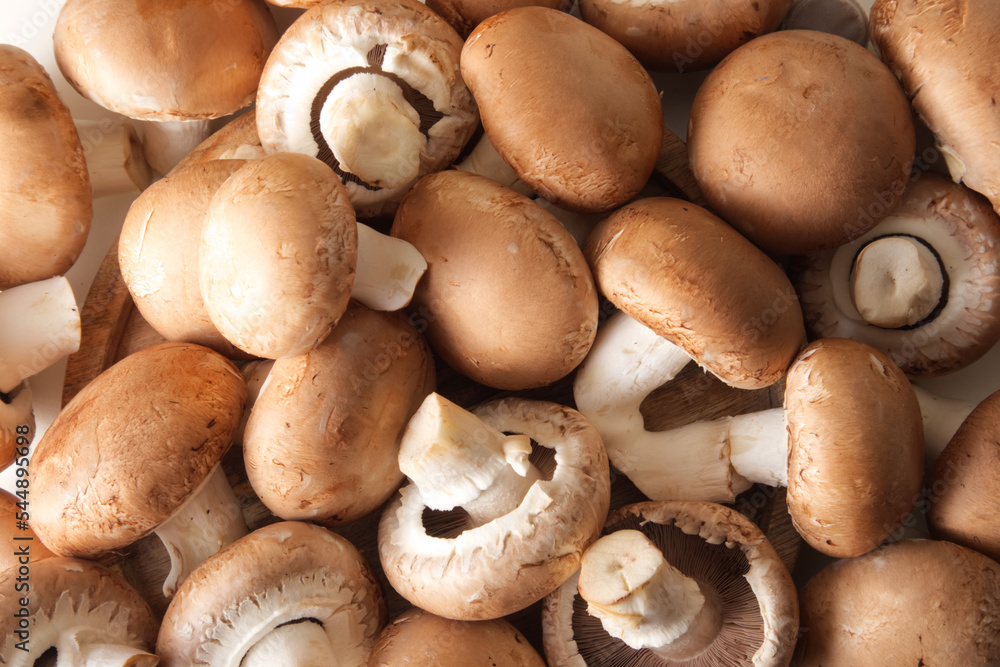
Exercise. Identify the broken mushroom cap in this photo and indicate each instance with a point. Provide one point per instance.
(745, 606)
(45, 198)
(604, 147)
(963, 487)
(912, 602)
(19, 543)
(372, 90)
(138, 450)
(158, 251)
(846, 146)
(278, 254)
(287, 591)
(322, 440)
(683, 36)
(922, 286)
(483, 530)
(508, 299)
(84, 612)
(936, 56)
(856, 446)
(422, 639)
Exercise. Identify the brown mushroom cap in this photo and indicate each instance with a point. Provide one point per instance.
(45, 197)
(964, 488)
(724, 552)
(936, 49)
(508, 299)
(165, 60)
(684, 273)
(278, 252)
(422, 639)
(322, 441)
(802, 140)
(132, 446)
(683, 36)
(158, 253)
(281, 573)
(914, 602)
(583, 126)
(856, 446)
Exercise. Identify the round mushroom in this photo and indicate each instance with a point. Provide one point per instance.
(490, 524)
(508, 299)
(802, 140)
(171, 66)
(138, 451)
(421, 639)
(911, 602)
(921, 287)
(673, 583)
(322, 440)
(603, 148)
(289, 593)
(45, 197)
(82, 612)
(371, 89)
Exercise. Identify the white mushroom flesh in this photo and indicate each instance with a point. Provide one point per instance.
(387, 270)
(484, 160)
(303, 644)
(167, 142)
(116, 158)
(897, 281)
(758, 446)
(941, 418)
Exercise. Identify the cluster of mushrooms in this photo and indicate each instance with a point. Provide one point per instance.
(337, 223)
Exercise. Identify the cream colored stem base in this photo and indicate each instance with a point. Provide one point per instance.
(484, 160)
(167, 142)
(897, 281)
(387, 270)
(303, 644)
(758, 446)
(116, 159)
(108, 655)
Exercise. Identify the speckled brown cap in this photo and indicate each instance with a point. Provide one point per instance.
(132, 446)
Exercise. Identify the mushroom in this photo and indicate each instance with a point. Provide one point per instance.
(288, 593)
(322, 440)
(20, 544)
(683, 36)
(172, 68)
(847, 140)
(371, 89)
(421, 639)
(584, 124)
(923, 286)
(935, 51)
(80, 611)
(912, 602)
(678, 274)
(846, 18)
(17, 425)
(488, 525)
(45, 197)
(508, 299)
(138, 451)
(671, 583)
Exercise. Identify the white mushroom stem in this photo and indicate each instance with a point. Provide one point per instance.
(579, 225)
(116, 158)
(457, 460)
(941, 418)
(387, 270)
(167, 142)
(484, 160)
(105, 655)
(642, 599)
(207, 521)
(625, 364)
(373, 131)
(897, 281)
(302, 644)
(39, 325)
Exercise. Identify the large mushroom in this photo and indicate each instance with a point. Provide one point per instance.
(371, 89)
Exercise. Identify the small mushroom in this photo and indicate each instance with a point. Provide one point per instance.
(171, 67)
(82, 612)
(488, 525)
(922, 286)
(45, 194)
(19, 543)
(673, 583)
(322, 440)
(678, 274)
(846, 18)
(138, 451)
(846, 147)
(584, 124)
(912, 602)
(421, 639)
(371, 89)
(289, 593)
(17, 424)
